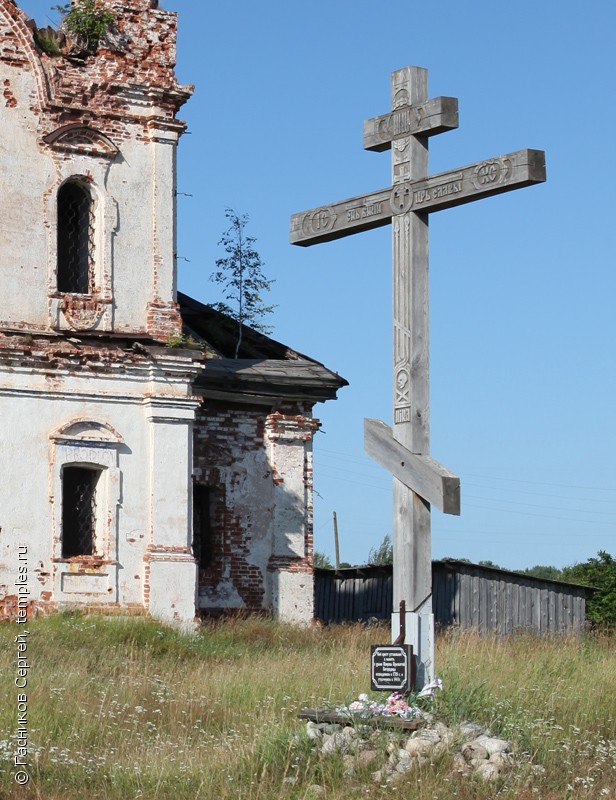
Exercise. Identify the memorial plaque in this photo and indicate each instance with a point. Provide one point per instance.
(391, 668)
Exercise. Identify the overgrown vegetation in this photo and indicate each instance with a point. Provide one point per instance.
(601, 573)
(322, 561)
(383, 555)
(87, 20)
(47, 40)
(126, 708)
(182, 340)
(240, 273)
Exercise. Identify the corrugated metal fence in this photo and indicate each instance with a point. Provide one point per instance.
(465, 595)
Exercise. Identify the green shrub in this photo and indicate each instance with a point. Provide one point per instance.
(87, 20)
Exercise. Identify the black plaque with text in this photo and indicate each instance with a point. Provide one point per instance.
(391, 668)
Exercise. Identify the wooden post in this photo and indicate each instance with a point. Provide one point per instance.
(413, 195)
(336, 543)
(412, 579)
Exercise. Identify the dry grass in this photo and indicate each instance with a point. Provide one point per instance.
(128, 709)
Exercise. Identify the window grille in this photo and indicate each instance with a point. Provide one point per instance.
(75, 239)
(78, 511)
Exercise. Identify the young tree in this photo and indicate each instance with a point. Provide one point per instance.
(322, 561)
(240, 273)
(383, 555)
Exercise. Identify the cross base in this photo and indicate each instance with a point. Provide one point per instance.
(420, 635)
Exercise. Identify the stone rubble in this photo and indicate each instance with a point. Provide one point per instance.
(471, 748)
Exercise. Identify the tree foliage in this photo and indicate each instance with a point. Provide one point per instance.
(322, 561)
(544, 572)
(601, 573)
(241, 276)
(490, 564)
(383, 555)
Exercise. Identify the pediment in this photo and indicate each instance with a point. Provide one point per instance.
(82, 140)
(87, 431)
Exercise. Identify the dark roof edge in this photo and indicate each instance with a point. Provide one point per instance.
(454, 563)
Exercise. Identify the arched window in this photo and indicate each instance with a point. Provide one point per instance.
(79, 511)
(75, 238)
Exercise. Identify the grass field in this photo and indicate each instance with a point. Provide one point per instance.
(125, 708)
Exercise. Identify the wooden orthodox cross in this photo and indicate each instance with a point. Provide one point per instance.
(418, 480)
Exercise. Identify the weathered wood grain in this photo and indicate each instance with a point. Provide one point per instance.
(435, 193)
(321, 715)
(425, 476)
(421, 119)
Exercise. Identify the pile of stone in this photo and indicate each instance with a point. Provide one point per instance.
(470, 748)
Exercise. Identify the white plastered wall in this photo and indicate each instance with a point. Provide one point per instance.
(48, 423)
(133, 190)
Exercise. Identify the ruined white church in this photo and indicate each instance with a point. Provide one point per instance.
(133, 474)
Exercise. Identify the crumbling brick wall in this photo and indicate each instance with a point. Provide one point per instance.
(108, 118)
(254, 504)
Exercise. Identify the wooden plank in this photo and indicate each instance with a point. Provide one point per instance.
(477, 605)
(420, 119)
(458, 602)
(426, 195)
(515, 606)
(323, 715)
(552, 611)
(388, 593)
(544, 619)
(422, 474)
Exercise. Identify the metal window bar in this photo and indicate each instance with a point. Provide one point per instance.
(78, 511)
(75, 239)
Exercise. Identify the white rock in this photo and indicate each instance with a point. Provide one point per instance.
(493, 745)
(420, 747)
(330, 727)
(367, 757)
(337, 742)
(404, 761)
(459, 764)
(488, 771)
(349, 765)
(313, 731)
(502, 759)
(423, 742)
(470, 730)
(445, 733)
(474, 751)
(378, 776)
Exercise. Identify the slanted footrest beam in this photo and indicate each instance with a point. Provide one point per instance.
(422, 474)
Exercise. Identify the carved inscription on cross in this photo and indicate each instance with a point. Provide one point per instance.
(418, 480)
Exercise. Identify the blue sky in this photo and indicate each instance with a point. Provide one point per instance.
(523, 285)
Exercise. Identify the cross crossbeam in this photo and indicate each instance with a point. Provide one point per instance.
(438, 192)
(425, 119)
